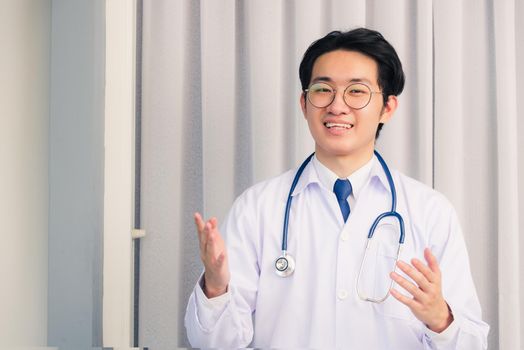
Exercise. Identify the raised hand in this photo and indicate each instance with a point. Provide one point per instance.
(427, 304)
(214, 256)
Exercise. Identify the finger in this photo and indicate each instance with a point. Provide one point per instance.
(207, 242)
(415, 275)
(207, 232)
(212, 243)
(409, 302)
(212, 229)
(411, 288)
(199, 222)
(425, 270)
(432, 261)
(214, 223)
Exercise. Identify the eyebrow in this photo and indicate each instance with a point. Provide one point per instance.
(329, 80)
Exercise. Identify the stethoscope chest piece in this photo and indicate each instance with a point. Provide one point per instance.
(285, 265)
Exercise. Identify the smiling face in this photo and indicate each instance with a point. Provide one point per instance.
(343, 134)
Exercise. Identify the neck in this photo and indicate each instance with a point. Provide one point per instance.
(344, 165)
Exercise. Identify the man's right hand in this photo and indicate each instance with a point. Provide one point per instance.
(214, 256)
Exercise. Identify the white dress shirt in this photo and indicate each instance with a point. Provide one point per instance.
(358, 179)
(318, 306)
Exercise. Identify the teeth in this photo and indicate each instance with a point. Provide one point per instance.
(339, 125)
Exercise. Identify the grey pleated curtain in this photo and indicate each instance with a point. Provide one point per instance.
(220, 112)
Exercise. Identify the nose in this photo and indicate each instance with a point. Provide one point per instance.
(338, 106)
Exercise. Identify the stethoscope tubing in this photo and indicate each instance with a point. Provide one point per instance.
(393, 191)
(289, 199)
(392, 188)
(285, 264)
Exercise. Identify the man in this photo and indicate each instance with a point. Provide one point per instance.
(334, 296)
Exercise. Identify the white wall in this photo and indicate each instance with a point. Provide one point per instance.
(24, 156)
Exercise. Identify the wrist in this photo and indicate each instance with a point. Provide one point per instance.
(444, 324)
(213, 291)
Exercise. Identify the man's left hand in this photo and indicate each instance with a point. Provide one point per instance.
(427, 303)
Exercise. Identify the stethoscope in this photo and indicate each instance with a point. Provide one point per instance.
(285, 264)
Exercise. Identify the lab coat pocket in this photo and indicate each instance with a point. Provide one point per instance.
(386, 259)
(378, 262)
(385, 263)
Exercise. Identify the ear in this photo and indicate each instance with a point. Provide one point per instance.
(388, 109)
(303, 103)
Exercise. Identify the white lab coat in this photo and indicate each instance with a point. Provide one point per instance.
(318, 306)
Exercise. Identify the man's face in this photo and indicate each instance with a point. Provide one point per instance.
(357, 137)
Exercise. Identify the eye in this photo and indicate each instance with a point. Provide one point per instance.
(321, 89)
(357, 90)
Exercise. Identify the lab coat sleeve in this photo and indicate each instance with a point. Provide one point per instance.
(226, 321)
(446, 241)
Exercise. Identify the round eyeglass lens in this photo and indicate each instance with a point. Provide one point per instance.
(356, 96)
(320, 95)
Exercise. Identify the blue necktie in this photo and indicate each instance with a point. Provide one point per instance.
(342, 189)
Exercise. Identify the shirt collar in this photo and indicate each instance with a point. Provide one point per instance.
(316, 172)
(358, 179)
(378, 172)
(309, 176)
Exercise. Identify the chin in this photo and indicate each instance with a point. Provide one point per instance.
(341, 152)
(335, 152)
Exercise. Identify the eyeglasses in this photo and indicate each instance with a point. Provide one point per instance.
(356, 96)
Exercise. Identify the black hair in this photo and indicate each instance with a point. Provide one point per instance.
(366, 41)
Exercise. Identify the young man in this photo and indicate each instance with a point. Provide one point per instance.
(329, 289)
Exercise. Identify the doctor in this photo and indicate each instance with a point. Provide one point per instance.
(350, 82)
